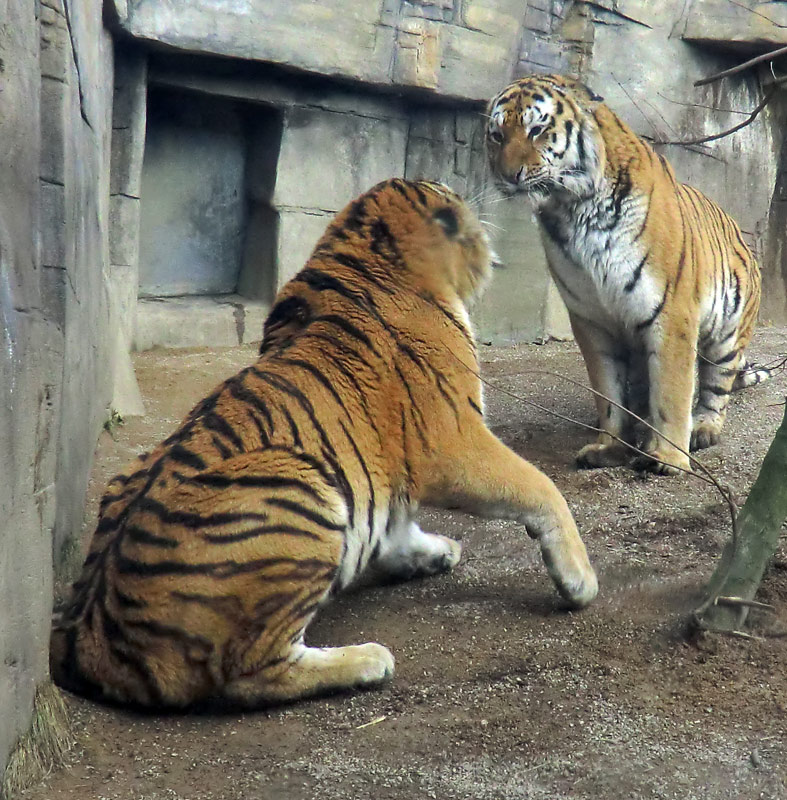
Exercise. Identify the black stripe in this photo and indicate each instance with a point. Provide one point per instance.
(637, 274)
(319, 376)
(253, 533)
(264, 438)
(240, 391)
(305, 512)
(362, 268)
(647, 213)
(475, 406)
(719, 391)
(215, 569)
(219, 480)
(656, 311)
(143, 536)
(183, 456)
(215, 422)
(384, 243)
(348, 328)
(224, 451)
(289, 388)
(192, 520)
(296, 436)
(342, 483)
(322, 281)
(336, 342)
(367, 475)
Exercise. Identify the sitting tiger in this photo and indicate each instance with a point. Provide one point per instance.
(213, 553)
(661, 289)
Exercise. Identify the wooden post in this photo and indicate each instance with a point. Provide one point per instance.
(743, 563)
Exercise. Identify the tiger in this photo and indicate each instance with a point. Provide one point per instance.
(213, 553)
(662, 291)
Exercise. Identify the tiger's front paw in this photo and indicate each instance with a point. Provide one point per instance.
(661, 462)
(566, 560)
(596, 455)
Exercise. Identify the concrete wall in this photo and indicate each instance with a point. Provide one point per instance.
(461, 53)
(55, 376)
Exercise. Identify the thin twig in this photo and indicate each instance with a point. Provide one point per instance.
(725, 632)
(780, 51)
(742, 601)
(748, 121)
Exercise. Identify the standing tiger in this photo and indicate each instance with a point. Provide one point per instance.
(660, 287)
(213, 553)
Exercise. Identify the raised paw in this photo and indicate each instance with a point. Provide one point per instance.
(596, 455)
(567, 562)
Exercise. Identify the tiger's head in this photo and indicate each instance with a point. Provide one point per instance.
(423, 233)
(542, 138)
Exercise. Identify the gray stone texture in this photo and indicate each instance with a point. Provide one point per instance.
(55, 373)
(26, 344)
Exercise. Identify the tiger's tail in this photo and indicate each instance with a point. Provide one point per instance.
(750, 374)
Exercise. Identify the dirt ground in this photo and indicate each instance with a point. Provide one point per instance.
(499, 692)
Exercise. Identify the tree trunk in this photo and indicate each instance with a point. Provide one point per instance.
(743, 563)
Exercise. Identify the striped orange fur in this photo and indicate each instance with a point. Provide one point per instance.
(661, 289)
(213, 553)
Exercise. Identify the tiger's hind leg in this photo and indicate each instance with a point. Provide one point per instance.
(407, 552)
(302, 671)
(718, 369)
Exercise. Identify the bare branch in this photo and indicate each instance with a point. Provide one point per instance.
(780, 51)
(752, 116)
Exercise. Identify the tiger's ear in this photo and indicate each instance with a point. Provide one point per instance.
(287, 318)
(446, 219)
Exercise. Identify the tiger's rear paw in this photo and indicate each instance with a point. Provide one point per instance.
(705, 435)
(595, 455)
(413, 553)
(374, 663)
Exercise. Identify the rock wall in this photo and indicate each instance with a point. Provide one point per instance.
(55, 375)
(460, 54)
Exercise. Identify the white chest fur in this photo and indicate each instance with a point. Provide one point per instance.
(596, 259)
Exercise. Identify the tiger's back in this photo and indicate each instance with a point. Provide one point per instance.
(645, 265)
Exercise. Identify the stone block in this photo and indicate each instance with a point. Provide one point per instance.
(417, 57)
(329, 158)
(406, 45)
(53, 131)
(125, 176)
(512, 308)
(198, 321)
(743, 26)
(124, 222)
(436, 124)
(123, 289)
(53, 225)
(55, 44)
(299, 231)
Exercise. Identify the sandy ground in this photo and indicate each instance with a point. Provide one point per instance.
(499, 692)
